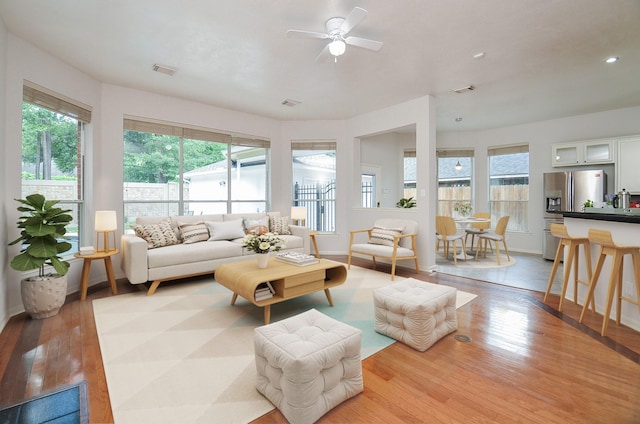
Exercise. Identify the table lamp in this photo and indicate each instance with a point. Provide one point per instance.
(298, 213)
(106, 222)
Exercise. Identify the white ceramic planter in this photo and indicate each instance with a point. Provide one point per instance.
(43, 298)
(263, 260)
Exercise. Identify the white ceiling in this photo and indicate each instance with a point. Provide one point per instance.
(543, 59)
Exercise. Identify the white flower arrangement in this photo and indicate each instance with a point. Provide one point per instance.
(264, 243)
(463, 208)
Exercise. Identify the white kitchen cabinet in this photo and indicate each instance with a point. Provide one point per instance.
(628, 165)
(583, 153)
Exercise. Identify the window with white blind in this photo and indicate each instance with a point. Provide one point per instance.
(455, 179)
(171, 169)
(409, 170)
(314, 182)
(509, 185)
(53, 128)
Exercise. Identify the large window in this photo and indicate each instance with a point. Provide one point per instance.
(409, 170)
(455, 173)
(174, 170)
(314, 182)
(52, 146)
(509, 185)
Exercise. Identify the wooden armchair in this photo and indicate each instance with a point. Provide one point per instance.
(391, 239)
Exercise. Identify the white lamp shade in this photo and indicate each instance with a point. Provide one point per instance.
(298, 212)
(337, 47)
(106, 221)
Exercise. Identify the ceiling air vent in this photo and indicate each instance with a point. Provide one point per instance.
(167, 70)
(290, 102)
(464, 89)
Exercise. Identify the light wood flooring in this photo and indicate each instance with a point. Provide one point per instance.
(525, 363)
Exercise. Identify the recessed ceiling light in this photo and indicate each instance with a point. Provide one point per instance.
(612, 59)
(459, 119)
(478, 55)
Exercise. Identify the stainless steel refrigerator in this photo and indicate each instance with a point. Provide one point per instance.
(568, 191)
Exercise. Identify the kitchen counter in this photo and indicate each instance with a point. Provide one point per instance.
(628, 217)
(625, 232)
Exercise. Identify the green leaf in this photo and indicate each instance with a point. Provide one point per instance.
(60, 266)
(44, 247)
(26, 262)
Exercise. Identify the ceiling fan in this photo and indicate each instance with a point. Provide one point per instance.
(337, 30)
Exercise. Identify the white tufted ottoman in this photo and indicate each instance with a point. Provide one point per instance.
(308, 364)
(415, 313)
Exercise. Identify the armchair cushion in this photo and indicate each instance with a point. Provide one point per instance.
(384, 236)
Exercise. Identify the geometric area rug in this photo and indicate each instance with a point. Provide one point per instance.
(63, 405)
(186, 355)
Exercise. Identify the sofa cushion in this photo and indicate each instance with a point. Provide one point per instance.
(193, 233)
(226, 230)
(157, 235)
(279, 225)
(384, 236)
(256, 226)
(192, 253)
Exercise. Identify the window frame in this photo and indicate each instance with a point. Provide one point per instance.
(515, 224)
(189, 133)
(44, 98)
(316, 208)
(446, 206)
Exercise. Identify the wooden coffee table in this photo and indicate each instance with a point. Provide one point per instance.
(288, 281)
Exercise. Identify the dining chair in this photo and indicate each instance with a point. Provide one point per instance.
(497, 236)
(478, 227)
(446, 228)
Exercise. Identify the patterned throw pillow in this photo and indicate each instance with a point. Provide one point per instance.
(193, 233)
(279, 225)
(257, 226)
(384, 236)
(157, 235)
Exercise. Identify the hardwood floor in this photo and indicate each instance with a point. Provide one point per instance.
(525, 362)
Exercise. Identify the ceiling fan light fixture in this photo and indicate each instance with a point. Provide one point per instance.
(337, 47)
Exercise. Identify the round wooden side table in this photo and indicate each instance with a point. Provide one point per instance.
(86, 267)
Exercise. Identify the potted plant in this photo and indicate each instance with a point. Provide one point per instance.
(463, 208)
(43, 229)
(406, 203)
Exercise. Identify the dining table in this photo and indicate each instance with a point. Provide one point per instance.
(464, 222)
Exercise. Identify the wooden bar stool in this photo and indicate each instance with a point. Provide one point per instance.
(573, 244)
(617, 251)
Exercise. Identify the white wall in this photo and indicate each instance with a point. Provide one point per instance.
(4, 258)
(540, 136)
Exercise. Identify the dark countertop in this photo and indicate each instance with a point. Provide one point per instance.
(613, 217)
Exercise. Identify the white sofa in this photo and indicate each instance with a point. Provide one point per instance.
(142, 264)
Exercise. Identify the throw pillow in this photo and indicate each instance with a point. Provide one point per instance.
(279, 225)
(193, 233)
(257, 226)
(157, 235)
(384, 236)
(225, 230)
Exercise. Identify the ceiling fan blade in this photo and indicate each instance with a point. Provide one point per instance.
(324, 55)
(364, 43)
(354, 18)
(294, 33)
